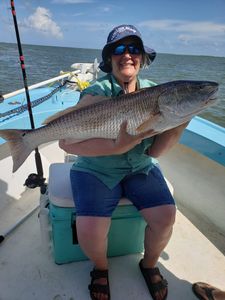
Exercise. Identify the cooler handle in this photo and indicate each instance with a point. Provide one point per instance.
(74, 229)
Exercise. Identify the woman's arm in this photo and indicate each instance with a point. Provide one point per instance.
(165, 141)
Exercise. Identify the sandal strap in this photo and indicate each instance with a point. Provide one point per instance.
(99, 288)
(209, 294)
(157, 286)
(152, 271)
(149, 272)
(96, 287)
(96, 274)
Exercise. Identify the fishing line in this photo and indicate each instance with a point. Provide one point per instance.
(39, 180)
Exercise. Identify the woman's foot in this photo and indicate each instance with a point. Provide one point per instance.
(99, 287)
(205, 291)
(157, 285)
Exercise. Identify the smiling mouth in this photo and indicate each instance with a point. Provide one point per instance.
(126, 65)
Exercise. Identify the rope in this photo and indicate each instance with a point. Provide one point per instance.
(19, 110)
(80, 83)
(16, 111)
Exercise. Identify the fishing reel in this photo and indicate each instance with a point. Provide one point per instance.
(35, 180)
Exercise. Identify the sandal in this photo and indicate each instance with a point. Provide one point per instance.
(154, 287)
(208, 289)
(96, 287)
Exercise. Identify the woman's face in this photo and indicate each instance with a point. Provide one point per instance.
(125, 67)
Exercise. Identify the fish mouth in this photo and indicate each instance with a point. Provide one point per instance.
(212, 97)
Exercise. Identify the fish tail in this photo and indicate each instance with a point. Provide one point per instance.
(18, 148)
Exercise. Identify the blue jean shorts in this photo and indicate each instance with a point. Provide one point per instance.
(93, 198)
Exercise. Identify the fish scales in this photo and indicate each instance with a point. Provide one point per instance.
(103, 119)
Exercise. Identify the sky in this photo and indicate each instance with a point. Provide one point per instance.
(195, 27)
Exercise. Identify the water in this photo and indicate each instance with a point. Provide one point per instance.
(44, 62)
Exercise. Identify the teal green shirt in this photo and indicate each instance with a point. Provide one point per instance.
(112, 169)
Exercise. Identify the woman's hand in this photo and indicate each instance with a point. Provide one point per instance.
(125, 141)
(165, 141)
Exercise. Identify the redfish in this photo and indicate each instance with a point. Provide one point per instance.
(159, 108)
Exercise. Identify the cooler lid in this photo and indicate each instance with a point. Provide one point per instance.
(59, 187)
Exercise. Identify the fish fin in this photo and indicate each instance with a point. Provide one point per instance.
(81, 104)
(58, 115)
(4, 150)
(89, 100)
(149, 123)
(18, 148)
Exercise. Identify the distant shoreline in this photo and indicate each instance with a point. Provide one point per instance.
(96, 49)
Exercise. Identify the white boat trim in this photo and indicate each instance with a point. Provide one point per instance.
(39, 84)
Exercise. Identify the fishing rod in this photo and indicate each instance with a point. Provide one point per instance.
(33, 180)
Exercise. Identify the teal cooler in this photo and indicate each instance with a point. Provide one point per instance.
(126, 235)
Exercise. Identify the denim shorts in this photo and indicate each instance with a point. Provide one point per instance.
(93, 198)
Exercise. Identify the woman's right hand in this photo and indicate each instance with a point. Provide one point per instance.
(125, 141)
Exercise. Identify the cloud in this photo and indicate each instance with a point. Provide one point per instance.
(42, 22)
(185, 36)
(72, 1)
(106, 9)
(190, 28)
(78, 14)
(93, 26)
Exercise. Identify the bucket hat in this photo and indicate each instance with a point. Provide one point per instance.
(118, 33)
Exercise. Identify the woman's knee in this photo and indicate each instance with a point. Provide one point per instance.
(168, 215)
(89, 227)
(161, 216)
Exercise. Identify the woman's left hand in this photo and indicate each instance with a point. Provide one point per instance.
(165, 141)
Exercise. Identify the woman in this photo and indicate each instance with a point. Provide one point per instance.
(122, 167)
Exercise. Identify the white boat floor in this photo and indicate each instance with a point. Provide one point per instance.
(28, 272)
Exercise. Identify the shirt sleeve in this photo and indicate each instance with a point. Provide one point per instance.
(98, 88)
(146, 83)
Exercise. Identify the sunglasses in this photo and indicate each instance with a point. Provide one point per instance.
(132, 49)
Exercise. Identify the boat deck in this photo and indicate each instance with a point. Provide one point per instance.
(29, 272)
